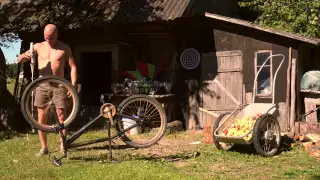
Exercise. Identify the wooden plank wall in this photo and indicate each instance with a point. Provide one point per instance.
(226, 67)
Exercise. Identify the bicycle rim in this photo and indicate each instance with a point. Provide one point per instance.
(151, 121)
(49, 96)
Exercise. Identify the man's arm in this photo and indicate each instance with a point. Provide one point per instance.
(26, 56)
(72, 66)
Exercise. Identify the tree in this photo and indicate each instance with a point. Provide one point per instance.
(30, 16)
(10, 115)
(26, 15)
(294, 16)
(11, 70)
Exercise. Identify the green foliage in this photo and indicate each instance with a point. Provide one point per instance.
(11, 70)
(28, 16)
(294, 16)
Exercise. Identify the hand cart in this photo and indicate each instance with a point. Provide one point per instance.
(253, 123)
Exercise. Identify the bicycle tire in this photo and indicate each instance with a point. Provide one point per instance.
(257, 131)
(163, 117)
(33, 85)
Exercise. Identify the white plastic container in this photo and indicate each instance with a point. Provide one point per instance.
(127, 123)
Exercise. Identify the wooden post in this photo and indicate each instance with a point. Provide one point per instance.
(249, 97)
(288, 90)
(293, 93)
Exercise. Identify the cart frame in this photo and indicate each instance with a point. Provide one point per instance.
(264, 108)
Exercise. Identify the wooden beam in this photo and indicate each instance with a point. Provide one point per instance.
(227, 92)
(209, 112)
(288, 89)
(293, 93)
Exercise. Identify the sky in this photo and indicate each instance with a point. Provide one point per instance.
(11, 52)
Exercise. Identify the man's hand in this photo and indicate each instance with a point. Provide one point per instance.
(78, 88)
(28, 55)
(25, 56)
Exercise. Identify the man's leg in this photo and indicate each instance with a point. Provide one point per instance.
(60, 113)
(40, 98)
(60, 109)
(42, 118)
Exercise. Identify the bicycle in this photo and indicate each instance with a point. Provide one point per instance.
(140, 109)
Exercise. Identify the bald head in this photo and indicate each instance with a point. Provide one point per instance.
(51, 34)
(51, 27)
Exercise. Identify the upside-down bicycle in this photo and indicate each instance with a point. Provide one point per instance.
(140, 112)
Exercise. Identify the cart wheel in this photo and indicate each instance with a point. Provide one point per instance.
(221, 145)
(266, 135)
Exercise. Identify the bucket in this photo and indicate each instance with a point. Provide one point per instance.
(127, 123)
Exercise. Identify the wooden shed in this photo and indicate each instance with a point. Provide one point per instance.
(195, 42)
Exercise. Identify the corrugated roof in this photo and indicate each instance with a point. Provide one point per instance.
(71, 14)
(144, 11)
(171, 9)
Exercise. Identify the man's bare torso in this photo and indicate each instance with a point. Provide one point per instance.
(51, 61)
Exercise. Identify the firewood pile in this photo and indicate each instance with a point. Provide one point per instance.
(311, 143)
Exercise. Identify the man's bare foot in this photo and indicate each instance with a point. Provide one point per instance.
(42, 152)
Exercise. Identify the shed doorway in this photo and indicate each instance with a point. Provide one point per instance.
(95, 76)
(227, 67)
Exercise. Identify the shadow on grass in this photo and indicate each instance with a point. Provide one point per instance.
(7, 135)
(114, 147)
(315, 178)
(130, 157)
(285, 146)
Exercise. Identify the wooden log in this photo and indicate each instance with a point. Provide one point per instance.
(315, 138)
(174, 126)
(208, 134)
(293, 94)
(288, 90)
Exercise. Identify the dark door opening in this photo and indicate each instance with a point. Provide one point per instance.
(95, 76)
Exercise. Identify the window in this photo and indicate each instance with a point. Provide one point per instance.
(264, 80)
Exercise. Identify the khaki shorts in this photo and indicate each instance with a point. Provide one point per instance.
(46, 92)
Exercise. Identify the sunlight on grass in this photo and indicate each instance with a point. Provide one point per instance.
(173, 158)
(10, 85)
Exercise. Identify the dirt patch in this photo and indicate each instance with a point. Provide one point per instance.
(181, 164)
(174, 148)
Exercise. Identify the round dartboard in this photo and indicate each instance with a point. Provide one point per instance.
(190, 58)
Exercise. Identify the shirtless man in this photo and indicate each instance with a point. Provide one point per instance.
(52, 55)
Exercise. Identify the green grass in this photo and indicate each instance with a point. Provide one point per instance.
(173, 158)
(10, 85)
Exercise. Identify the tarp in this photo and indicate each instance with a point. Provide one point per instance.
(311, 81)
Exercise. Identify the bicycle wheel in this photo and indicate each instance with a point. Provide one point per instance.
(46, 96)
(151, 123)
(266, 135)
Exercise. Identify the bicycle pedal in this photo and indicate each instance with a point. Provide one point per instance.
(56, 162)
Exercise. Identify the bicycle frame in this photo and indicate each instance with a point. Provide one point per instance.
(68, 143)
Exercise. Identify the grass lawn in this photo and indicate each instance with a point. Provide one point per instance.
(172, 158)
(10, 85)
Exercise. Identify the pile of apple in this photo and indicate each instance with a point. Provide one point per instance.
(241, 127)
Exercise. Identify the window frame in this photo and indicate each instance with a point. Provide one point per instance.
(256, 70)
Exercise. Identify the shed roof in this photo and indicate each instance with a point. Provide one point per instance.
(248, 24)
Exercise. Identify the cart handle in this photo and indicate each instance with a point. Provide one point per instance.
(274, 79)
